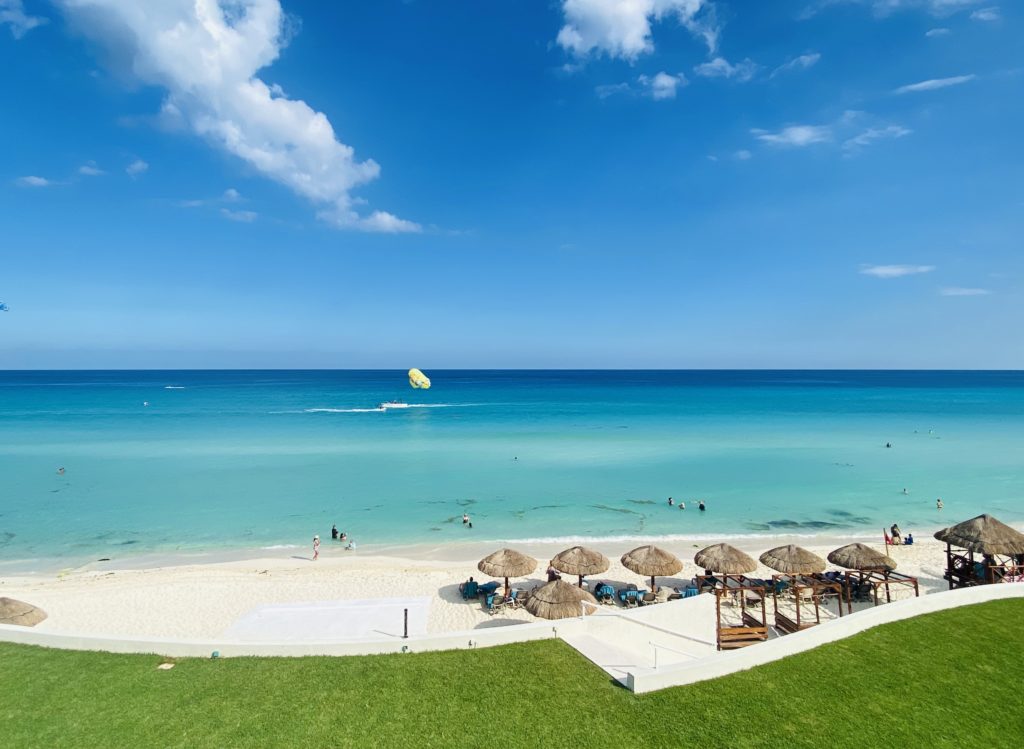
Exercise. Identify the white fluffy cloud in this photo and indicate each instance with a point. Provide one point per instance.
(798, 63)
(622, 28)
(883, 8)
(89, 169)
(34, 181)
(662, 85)
(136, 168)
(895, 271)
(795, 136)
(960, 291)
(935, 83)
(987, 14)
(13, 15)
(245, 217)
(659, 86)
(940, 31)
(206, 54)
(869, 136)
(719, 67)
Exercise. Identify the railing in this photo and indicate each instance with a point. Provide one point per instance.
(656, 646)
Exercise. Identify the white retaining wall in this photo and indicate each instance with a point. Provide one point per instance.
(472, 638)
(727, 662)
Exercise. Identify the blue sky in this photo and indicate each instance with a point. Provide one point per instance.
(577, 183)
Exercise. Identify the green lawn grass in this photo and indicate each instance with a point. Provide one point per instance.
(954, 679)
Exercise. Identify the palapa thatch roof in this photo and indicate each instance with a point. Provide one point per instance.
(725, 559)
(581, 561)
(650, 561)
(559, 600)
(861, 557)
(19, 612)
(507, 563)
(793, 560)
(984, 534)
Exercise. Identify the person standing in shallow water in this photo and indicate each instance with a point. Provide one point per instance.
(700, 506)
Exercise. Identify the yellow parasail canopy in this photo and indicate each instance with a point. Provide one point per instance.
(419, 380)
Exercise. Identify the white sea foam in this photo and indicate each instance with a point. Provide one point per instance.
(282, 546)
(174, 387)
(379, 409)
(337, 410)
(679, 537)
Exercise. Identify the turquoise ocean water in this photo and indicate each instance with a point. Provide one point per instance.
(249, 459)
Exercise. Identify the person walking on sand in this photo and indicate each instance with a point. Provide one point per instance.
(316, 548)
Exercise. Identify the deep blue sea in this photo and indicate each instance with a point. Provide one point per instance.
(249, 459)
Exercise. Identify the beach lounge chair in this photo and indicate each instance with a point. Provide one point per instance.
(488, 588)
(494, 602)
(630, 596)
(604, 593)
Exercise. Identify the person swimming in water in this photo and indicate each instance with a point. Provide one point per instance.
(465, 518)
(700, 506)
(670, 502)
(905, 490)
(938, 503)
(888, 444)
(60, 471)
(682, 505)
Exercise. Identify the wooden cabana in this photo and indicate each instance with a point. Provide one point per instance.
(868, 572)
(750, 629)
(1000, 546)
(870, 583)
(799, 574)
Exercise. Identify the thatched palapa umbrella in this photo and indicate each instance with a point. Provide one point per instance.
(651, 561)
(507, 563)
(793, 560)
(19, 612)
(725, 559)
(580, 561)
(559, 600)
(861, 557)
(984, 534)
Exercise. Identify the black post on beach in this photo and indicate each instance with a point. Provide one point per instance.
(406, 635)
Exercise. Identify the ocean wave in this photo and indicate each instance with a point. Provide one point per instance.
(174, 387)
(677, 537)
(282, 546)
(380, 409)
(334, 411)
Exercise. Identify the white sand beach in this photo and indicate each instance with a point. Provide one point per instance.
(204, 600)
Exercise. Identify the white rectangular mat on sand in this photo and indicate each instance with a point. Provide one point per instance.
(331, 621)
